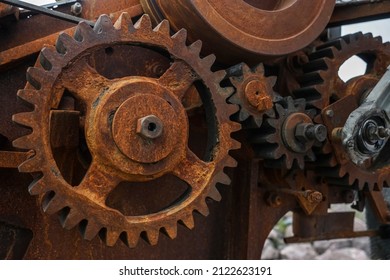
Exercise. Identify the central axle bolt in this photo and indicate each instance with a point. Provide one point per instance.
(255, 92)
(149, 127)
(307, 132)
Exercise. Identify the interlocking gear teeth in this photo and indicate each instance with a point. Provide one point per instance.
(254, 92)
(321, 86)
(82, 205)
(269, 142)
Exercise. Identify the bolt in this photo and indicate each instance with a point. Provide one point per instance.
(308, 131)
(76, 9)
(149, 127)
(329, 113)
(337, 134)
(314, 197)
(350, 144)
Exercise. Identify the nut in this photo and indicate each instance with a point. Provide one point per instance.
(149, 127)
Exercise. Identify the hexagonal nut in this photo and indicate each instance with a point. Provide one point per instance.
(300, 131)
(149, 127)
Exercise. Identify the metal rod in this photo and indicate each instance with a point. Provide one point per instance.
(45, 11)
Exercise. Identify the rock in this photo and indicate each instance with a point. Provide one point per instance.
(298, 252)
(343, 254)
(362, 243)
(269, 251)
(323, 245)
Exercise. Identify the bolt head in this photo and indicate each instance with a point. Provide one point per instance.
(149, 127)
(300, 131)
(329, 113)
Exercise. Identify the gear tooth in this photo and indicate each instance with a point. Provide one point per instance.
(235, 99)
(258, 121)
(259, 69)
(231, 162)
(196, 47)
(91, 230)
(170, 231)
(52, 205)
(180, 37)
(236, 81)
(214, 194)
(83, 32)
(219, 75)
(24, 142)
(279, 109)
(70, 219)
(36, 77)
(130, 238)
(38, 186)
(144, 23)
(31, 96)
(25, 118)
(227, 92)
(163, 27)
(64, 43)
(232, 109)
(245, 69)
(272, 81)
(151, 236)
(244, 114)
(235, 145)
(30, 165)
(124, 23)
(47, 57)
(103, 24)
(208, 61)
(110, 237)
(188, 221)
(202, 208)
(223, 178)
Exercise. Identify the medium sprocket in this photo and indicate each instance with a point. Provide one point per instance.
(322, 86)
(135, 127)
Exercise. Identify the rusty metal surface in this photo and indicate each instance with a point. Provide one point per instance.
(117, 106)
(127, 133)
(359, 12)
(246, 30)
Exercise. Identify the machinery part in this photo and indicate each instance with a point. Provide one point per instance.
(321, 84)
(324, 89)
(76, 9)
(45, 11)
(8, 10)
(110, 110)
(254, 93)
(279, 140)
(366, 130)
(260, 35)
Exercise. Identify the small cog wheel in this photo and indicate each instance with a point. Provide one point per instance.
(286, 140)
(254, 92)
(135, 128)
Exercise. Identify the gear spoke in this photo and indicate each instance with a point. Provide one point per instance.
(178, 78)
(86, 83)
(97, 183)
(193, 171)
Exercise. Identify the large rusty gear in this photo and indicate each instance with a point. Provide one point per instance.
(324, 89)
(275, 141)
(136, 129)
(254, 93)
(219, 22)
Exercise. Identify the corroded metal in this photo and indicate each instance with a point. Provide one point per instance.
(246, 30)
(112, 109)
